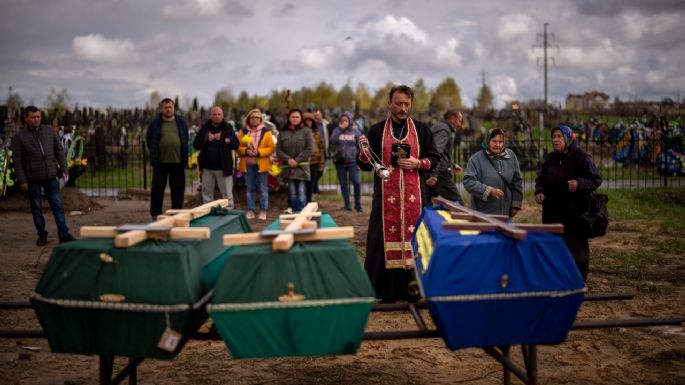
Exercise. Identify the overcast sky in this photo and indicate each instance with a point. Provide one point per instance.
(115, 52)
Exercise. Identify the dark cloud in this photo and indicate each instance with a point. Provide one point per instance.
(614, 7)
(287, 9)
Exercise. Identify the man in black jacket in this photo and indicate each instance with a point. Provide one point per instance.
(441, 180)
(216, 141)
(37, 152)
(167, 139)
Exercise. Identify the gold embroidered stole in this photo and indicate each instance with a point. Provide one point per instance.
(401, 200)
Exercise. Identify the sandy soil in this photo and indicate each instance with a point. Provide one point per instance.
(654, 355)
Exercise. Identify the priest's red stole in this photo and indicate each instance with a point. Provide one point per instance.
(401, 200)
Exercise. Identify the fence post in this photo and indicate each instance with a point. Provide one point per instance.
(142, 148)
(664, 140)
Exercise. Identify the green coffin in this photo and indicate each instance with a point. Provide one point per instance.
(160, 281)
(330, 320)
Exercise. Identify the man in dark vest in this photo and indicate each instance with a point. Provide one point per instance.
(167, 139)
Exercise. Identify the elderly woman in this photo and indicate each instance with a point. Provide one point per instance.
(493, 177)
(255, 149)
(563, 186)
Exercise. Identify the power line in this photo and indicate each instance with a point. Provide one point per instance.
(546, 37)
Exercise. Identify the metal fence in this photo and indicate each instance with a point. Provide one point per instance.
(625, 163)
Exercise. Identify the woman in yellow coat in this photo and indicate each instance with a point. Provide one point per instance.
(255, 149)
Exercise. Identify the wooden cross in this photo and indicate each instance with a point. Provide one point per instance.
(484, 222)
(174, 225)
(299, 229)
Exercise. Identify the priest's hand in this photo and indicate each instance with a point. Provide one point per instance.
(410, 163)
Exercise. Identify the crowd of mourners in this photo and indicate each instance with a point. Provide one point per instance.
(412, 163)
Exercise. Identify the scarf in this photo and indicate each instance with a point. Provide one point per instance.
(569, 137)
(484, 145)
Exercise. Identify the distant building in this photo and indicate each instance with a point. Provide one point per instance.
(589, 101)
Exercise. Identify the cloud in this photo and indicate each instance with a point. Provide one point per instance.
(395, 44)
(504, 89)
(286, 10)
(389, 26)
(611, 8)
(191, 9)
(98, 49)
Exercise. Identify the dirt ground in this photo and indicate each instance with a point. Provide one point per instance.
(648, 355)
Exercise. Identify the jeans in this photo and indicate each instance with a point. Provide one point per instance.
(347, 172)
(257, 180)
(297, 191)
(175, 173)
(51, 189)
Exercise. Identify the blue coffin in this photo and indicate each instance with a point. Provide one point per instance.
(485, 289)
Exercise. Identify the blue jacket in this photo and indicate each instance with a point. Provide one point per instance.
(154, 134)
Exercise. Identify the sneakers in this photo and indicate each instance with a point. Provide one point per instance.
(42, 240)
(250, 214)
(262, 216)
(68, 238)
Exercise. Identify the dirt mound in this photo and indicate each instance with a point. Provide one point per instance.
(72, 198)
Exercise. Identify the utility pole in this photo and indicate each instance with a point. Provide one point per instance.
(545, 44)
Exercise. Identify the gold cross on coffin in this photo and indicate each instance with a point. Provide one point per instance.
(484, 222)
(171, 226)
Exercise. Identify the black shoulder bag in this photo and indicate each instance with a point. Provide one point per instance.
(596, 219)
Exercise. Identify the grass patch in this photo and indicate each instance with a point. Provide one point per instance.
(665, 205)
(630, 268)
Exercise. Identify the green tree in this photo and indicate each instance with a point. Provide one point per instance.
(14, 101)
(346, 98)
(277, 102)
(244, 102)
(155, 99)
(364, 100)
(176, 103)
(224, 99)
(447, 95)
(58, 102)
(196, 106)
(380, 98)
(422, 97)
(325, 95)
(261, 102)
(485, 99)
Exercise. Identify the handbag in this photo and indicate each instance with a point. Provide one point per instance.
(596, 219)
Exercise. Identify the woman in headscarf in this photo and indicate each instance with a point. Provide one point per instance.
(294, 148)
(256, 144)
(563, 186)
(493, 177)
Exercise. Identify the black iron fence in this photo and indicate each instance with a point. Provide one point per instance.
(630, 162)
